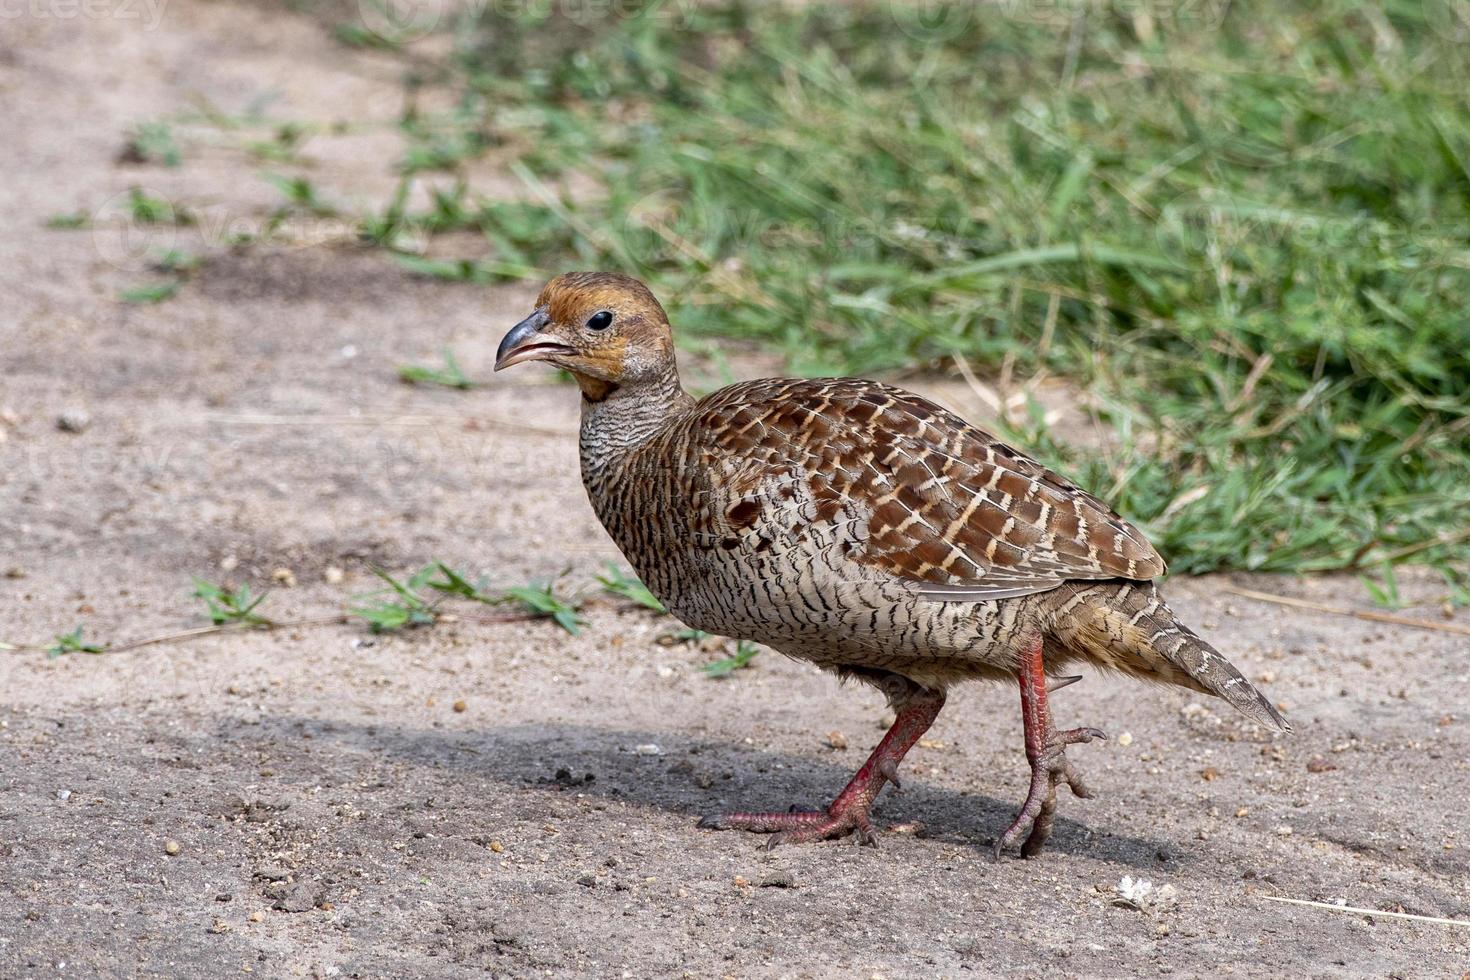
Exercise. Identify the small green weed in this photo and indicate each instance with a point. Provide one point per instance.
(745, 652)
(400, 604)
(628, 586)
(227, 607)
(450, 376)
(72, 643)
(539, 599)
(153, 293)
(153, 142)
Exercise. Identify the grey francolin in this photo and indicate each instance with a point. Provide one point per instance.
(867, 530)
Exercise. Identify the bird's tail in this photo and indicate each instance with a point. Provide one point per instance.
(1127, 626)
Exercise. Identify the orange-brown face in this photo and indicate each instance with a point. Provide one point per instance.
(606, 329)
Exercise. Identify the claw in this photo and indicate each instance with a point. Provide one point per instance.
(1057, 683)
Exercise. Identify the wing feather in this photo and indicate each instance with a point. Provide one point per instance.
(943, 505)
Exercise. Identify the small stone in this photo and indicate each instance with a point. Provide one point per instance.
(224, 897)
(334, 575)
(171, 847)
(460, 707)
(272, 872)
(300, 897)
(1243, 811)
(15, 571)
(648, 748)
(1125, 739)
(1318, 764)
(1284, 830)
(1209, 774)
(587, 881)
(229, 563)
(256, 917)
(740, 882)
(837, 740)
(284, 577)
(74, 419)
(778, 879)
(496, 846)
(63, 795)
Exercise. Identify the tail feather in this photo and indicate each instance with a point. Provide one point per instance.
(1127, 626)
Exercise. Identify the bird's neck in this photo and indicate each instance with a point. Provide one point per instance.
(618, 419)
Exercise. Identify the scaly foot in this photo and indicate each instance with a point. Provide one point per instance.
(850, 812)
(1046, 750)
(1048, 768)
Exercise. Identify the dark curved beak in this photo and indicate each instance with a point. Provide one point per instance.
(525, 342)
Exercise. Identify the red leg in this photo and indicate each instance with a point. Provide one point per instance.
(848, 814)
(1046, 750)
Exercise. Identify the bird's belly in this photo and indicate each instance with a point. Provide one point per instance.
(836, 615)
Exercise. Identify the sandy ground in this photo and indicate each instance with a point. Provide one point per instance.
(311, 802)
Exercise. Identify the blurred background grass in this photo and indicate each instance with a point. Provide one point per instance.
(1242, 228)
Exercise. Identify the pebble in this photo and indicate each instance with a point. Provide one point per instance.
(460, 707)
(778, 879)
(648, 748)
(334, 575)
(1125, 739)
(1319, 764)
(300, 897)
(63, 795)
(171, 847)
(285, 577)
(837, 740)
(496, 846)
(15, 571)
(74, 420)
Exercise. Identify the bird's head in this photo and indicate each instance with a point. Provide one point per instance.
(608, 330)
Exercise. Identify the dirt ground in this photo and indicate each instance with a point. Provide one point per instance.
(312, 802)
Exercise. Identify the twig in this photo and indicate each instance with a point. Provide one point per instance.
(1375, 912)
(980, 389)
(226, 628)
(1376, 617)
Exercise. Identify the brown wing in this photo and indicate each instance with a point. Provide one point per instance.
(942, 503)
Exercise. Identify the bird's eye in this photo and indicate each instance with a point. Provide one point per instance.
(599, 321)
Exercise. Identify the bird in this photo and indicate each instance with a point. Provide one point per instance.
(867, 530)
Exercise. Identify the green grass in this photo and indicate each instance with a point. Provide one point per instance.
(1243, 228)
(745, 652)
(227, 606)
(450, 375)
(72, 643)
